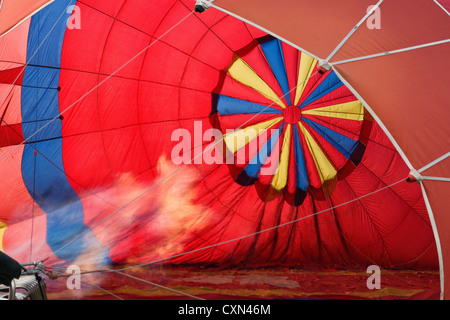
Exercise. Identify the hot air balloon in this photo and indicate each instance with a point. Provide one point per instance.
(141, 132)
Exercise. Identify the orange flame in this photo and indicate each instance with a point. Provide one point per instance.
(141, 222)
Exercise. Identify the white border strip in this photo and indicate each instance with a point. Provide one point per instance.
(436, 178)
(408, 163)
(27, 17)
(445, 156)
(438, 242)
(391, 52)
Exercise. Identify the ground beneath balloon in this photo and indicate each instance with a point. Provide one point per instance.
(249, 284)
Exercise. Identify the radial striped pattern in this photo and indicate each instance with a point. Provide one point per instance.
(288, 125)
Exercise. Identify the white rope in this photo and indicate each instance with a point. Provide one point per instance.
(100, 288)
(159, 286)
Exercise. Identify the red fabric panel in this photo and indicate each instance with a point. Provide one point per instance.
(11, 135)
(11, 76)
(291, 60)
(19, 211)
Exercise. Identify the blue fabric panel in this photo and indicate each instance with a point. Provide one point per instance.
(274, 54)
(302, 181)
(43, 172)
(232, 106)
(264, 153)
(343, 144)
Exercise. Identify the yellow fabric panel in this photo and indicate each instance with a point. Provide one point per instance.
(243, 73)
(307, 64)
(2, 233)
(281, 175)
(353, 110)
(323, 165)
(240, 138)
